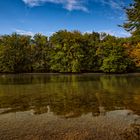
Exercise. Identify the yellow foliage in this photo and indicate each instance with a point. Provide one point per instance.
(135, 54)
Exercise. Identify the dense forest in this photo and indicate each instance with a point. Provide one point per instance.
(73, 51)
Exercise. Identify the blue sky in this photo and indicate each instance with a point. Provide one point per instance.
(48, 16)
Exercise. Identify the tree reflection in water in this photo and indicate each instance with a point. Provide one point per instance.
(62, 107)
(69, 95)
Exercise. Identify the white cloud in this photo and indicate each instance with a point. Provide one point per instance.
(67, 4)
(119, 33)
(115, 4)
(30, 33)
(77, 4)
(23, 32)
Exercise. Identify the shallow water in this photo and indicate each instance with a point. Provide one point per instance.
(70, 107)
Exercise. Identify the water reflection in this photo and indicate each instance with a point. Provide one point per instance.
(70, 107)
(69, 95)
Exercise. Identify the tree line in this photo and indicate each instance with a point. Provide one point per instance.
(73, 51)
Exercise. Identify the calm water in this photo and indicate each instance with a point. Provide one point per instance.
(70, 107)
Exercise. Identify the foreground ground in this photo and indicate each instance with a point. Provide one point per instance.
(114, 125)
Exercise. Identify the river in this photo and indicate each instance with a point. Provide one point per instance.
(69, 107)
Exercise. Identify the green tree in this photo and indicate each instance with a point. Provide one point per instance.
(40, 53)
(104, 48)
(133, 22)
(91, 44)
(14, 53)
(67, 51)
(117, 61)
